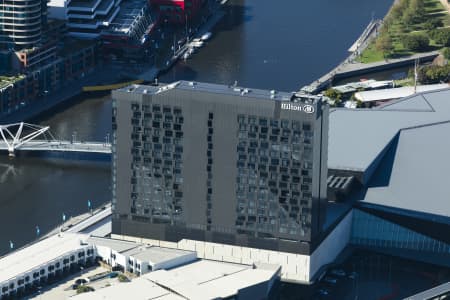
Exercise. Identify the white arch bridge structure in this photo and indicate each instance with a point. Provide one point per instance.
(28, 137)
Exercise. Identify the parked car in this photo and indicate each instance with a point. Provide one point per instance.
(338, 272)
(81, 281)
(330, 280)
(323, 292)
(352, 275)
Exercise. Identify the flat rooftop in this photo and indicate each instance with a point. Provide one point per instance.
(142, 289)
(156, 254)
(210, 88)
(199, 280)
(396, 93)
(116, 245)
(39, 253)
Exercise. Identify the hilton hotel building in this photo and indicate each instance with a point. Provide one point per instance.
(236, 174)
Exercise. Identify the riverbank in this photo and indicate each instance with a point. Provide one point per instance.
(353, 65)
(405, 21)
(170, 60)
(368, 35)
(107, 74)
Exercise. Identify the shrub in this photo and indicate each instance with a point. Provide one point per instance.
(333, 94)
(433, 24)
(434, 74)
(384, 45)
(416, 42)
(122, 278)
(446, 52)
(441, 36)
(84, 289)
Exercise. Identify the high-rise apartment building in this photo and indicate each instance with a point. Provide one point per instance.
(21, 23)
(219, 163)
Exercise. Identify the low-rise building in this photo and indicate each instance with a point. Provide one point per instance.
(73, 61)
(34, 265)
(200, 280)
(138, 258)
(379, 96)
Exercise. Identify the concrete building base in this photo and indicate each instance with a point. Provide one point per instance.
(295, 268)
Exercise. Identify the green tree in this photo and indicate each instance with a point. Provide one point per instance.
(434, 74)
(433, 24)
(408, 17)
(441, 36)
(84, 289)
(416, 42)
(333, 94)
(446, 52)
(418, 9)
(123, 278)
(384, 45)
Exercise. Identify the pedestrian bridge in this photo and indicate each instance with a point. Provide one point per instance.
(28, 137)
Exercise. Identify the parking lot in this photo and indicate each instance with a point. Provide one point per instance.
(64, 288)
(369, 276)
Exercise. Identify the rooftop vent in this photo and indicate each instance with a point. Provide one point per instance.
(192, 84)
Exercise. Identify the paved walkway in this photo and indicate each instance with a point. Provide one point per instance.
(350, 67)
(369, 34)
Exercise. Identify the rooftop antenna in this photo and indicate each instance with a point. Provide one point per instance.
(416, 76)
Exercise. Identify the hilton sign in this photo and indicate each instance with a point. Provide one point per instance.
(309, 109)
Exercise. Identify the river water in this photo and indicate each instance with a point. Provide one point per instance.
(268, 44)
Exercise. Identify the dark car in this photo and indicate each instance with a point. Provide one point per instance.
(80, 281)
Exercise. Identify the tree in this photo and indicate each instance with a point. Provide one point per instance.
(418, 9)
(84, 289)
(433, 24)
(384, 45)
(434, 74)
(441, 36)
(333, 94)
(446, 52)
(123, 278)
(416, 42)
(408, 17)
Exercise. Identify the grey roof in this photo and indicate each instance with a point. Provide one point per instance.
(358, 137)
(156, 254)
(117, 245)
(210, 88)
(404, 145)
(415, 171)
